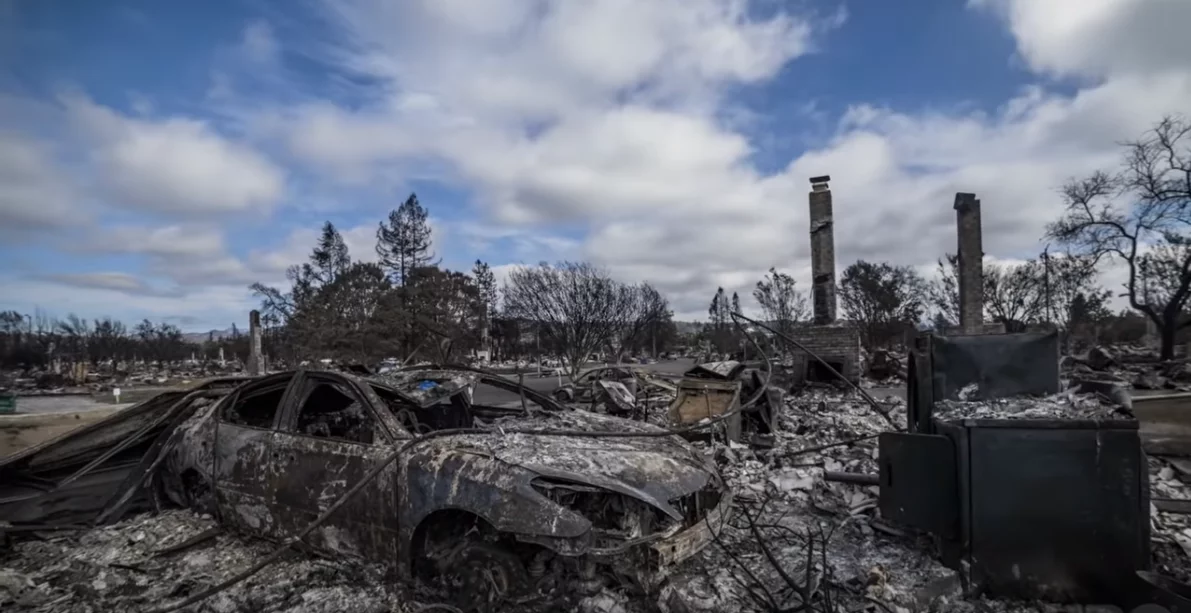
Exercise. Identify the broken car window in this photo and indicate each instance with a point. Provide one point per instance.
(332, 411)
(256, 408)
(450, 412)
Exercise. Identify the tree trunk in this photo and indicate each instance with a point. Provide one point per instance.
(1168, 328)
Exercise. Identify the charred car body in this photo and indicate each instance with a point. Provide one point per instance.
(523, 506)
(586, 386)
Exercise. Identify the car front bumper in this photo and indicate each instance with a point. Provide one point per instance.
(681, 546)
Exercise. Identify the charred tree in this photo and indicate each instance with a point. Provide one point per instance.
(1140, 213)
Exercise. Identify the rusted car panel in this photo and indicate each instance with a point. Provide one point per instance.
(366, 526)
(242, 480)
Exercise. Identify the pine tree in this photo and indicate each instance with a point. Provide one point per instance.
(735, 302)
(485, 282)
(403, 241)
(330, 257)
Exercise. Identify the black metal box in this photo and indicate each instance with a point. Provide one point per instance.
(1034, 509)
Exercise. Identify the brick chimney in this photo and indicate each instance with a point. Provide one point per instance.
(822, 252)
(970, 267)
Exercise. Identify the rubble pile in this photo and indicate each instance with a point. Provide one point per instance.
(114, 568)
(1064, 405)
(43, 382)
(1138, 367)
(885, 368)
(789, 514)
(1170, 516)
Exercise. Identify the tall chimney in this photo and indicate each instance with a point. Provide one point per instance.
(255, 363)
(970, 267)
(822, 252)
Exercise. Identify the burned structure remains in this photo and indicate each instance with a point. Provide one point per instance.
(969, 270)
(838, 345)
(822, 252)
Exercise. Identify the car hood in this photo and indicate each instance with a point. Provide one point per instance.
(656, 470)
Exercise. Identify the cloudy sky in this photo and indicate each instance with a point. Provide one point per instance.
(156, 157)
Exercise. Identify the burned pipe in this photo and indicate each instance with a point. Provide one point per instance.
(857, 478)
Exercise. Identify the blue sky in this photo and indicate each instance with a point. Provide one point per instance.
(157, 157)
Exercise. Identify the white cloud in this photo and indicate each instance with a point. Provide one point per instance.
(216, 307)
(116, 281)
(167, 241)
(471, 86)
(1096, 38)
(175, 165)
(607, 116)
(34, 193)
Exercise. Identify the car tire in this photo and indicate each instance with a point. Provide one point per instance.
(199, 496)
(483, 576)
(564, 395)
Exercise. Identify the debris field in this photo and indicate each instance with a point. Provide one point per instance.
(801, 530)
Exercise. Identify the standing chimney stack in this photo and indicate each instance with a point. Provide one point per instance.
(822, 252)
(255, 361)
(970, 267)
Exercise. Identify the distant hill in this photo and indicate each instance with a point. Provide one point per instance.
(201, 337)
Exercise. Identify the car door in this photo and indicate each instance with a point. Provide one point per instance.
(329, 439)
(243, 444)
(585, 386)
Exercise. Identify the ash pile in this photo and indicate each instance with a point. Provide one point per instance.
(1067, 404)
(1138, 367)
(813, 525)
(885, 367)
(808, 527)
(83, 378)
(1170, 512)
(145, 561)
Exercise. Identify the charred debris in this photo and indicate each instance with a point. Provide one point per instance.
(729, 493)
(1004, 480)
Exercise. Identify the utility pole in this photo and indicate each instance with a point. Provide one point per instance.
(1046, 281)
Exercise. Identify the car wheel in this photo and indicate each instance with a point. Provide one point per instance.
(483, 576)
(564, 395)
(197, 490)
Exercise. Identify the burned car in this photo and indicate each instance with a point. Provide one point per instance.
(584, 388)
(515, 500)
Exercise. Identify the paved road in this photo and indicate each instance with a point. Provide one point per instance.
(63, 404)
